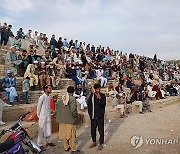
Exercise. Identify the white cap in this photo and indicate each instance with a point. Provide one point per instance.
(35, 62)
(12, 47)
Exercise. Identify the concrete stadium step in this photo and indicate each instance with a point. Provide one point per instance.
(63, 84)
(3, 69)
(14, 112)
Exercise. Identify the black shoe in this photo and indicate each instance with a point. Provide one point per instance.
(76, 152)
(32, 88)
(100, 147)
(17, 99)
(93, 145)
(141, 113)
(68, 150)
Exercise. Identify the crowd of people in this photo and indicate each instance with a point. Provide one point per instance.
(91, 68)
(80, 61)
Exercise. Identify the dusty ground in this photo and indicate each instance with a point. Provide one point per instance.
(162, 123)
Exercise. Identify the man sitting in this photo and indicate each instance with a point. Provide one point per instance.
(79, 94)
(137, 101)
(100, 77)
(9, 84)
(129, 83)
(17, 42)
(32, 72)
(12, 60)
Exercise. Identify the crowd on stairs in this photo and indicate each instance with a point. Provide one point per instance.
(81, 61)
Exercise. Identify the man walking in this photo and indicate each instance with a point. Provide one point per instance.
(67, 117)
(44, 115)
(96, 110)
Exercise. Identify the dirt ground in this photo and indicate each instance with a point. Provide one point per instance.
(162, 123)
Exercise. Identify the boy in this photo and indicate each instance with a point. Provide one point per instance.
(25, 89)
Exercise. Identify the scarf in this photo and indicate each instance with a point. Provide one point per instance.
(65, 99)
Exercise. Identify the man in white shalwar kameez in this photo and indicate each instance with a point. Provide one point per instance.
(100, 77)
(2, 105)
(79, 95)
(44, 115)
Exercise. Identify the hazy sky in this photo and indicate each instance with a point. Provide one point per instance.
(144, 27)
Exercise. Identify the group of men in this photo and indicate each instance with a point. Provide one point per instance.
(67, 115)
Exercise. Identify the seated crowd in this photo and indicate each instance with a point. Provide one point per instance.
(80, 61)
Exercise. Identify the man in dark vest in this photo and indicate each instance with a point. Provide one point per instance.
(96, 110)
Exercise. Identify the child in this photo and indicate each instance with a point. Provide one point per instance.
(25, 89)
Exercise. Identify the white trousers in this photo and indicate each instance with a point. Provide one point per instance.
(44, 130)
(82, 101)
(103, 81)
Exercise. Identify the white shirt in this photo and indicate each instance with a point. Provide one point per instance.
(43, 107)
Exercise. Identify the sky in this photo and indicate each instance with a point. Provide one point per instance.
(143, 27)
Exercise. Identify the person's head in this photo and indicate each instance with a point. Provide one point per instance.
(47, 54)
(35, 64)
(32, 52)
(119, 84)
(97, 88)
(47, 89)
(13, 48)
(123, 95)
(30, 31)
(110, 84)
(10, 26)
(9, 73)
(36, 32)
(51, 64)
(17, 37)
(70, 89)
(53, 36)
(80, 86)
(43, 64)
(24, 52)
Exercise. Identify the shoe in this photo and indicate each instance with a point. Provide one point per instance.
(75, 152)
(68, 150)
(51, 144)
(150, 111)
(141, 113)
(2, 123)
(17, 99)
(94, 144)
(100, 147)
(43, 148)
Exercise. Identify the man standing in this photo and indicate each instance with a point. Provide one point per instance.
(2, 105)
(44, 115)
(96, 110)
(67, 117)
